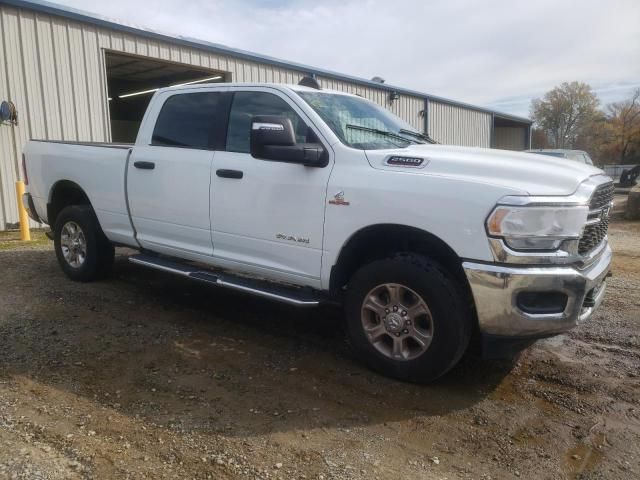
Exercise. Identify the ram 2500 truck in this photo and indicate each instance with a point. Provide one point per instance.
(306, 196)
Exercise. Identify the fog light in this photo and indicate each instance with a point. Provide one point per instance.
(538, 303)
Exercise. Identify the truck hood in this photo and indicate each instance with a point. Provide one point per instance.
(528, 173)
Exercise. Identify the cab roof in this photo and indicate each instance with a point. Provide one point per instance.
(277, 86)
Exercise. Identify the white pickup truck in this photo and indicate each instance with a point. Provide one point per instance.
(306, 196)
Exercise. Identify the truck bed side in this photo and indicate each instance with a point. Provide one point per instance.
(97, 169)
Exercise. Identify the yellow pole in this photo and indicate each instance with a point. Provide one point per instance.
(25, 235)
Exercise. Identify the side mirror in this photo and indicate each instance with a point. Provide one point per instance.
(273, 138)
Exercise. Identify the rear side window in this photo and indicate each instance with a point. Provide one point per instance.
(190, 120)
(248, 104)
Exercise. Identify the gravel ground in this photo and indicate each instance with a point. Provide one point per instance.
(149, 376)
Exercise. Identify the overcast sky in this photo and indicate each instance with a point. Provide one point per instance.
(494, 53)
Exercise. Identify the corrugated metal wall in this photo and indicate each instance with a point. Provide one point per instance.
(52, 71)
(452, 125)
(8, 164)
(52, 68)
(510, 138)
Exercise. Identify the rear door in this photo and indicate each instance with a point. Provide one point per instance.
(269, 216)
(169, 173)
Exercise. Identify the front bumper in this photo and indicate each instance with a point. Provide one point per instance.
(496, 287)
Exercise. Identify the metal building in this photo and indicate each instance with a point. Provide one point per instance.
(75, 76)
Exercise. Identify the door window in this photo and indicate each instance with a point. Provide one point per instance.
(190, 120)
(248, 104)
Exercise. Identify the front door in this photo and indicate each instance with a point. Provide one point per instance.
(267, 214)
(168, 179)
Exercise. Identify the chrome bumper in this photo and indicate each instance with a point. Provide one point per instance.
(495, 290)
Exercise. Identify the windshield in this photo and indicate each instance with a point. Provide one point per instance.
(360, 123)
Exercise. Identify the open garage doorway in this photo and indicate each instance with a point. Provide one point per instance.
(510, 134)
(131, 82)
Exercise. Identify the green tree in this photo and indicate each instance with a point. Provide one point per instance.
(565, 112)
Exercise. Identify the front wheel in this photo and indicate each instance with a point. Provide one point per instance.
(83, 251)
(407, 317)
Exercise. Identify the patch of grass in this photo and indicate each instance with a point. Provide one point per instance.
(11, 241)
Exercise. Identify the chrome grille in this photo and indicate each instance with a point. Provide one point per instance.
(598, 219)
(602, 197)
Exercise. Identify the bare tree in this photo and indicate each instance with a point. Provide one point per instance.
(539, 138)
(564, 112)
(623, 127)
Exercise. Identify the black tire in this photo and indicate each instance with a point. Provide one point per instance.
(451, 316)
(98, 261)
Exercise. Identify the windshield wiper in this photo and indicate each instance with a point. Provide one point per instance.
(419, 135)
(384, 133)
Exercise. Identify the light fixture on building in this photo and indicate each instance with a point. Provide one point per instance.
(8, 113)
(152, 90)
(143, 92)
(393, 96)
(217, 77)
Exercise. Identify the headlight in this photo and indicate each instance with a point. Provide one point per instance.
(537, 228)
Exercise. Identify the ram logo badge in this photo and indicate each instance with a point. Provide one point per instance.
(338, 199)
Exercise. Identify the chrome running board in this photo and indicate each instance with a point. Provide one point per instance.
(299, 297)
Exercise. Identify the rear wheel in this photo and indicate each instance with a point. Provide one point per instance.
(83, 251)
(407, 317)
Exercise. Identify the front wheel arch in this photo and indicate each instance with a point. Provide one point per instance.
(376, 242)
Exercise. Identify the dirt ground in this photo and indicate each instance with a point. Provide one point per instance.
(150, 376)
